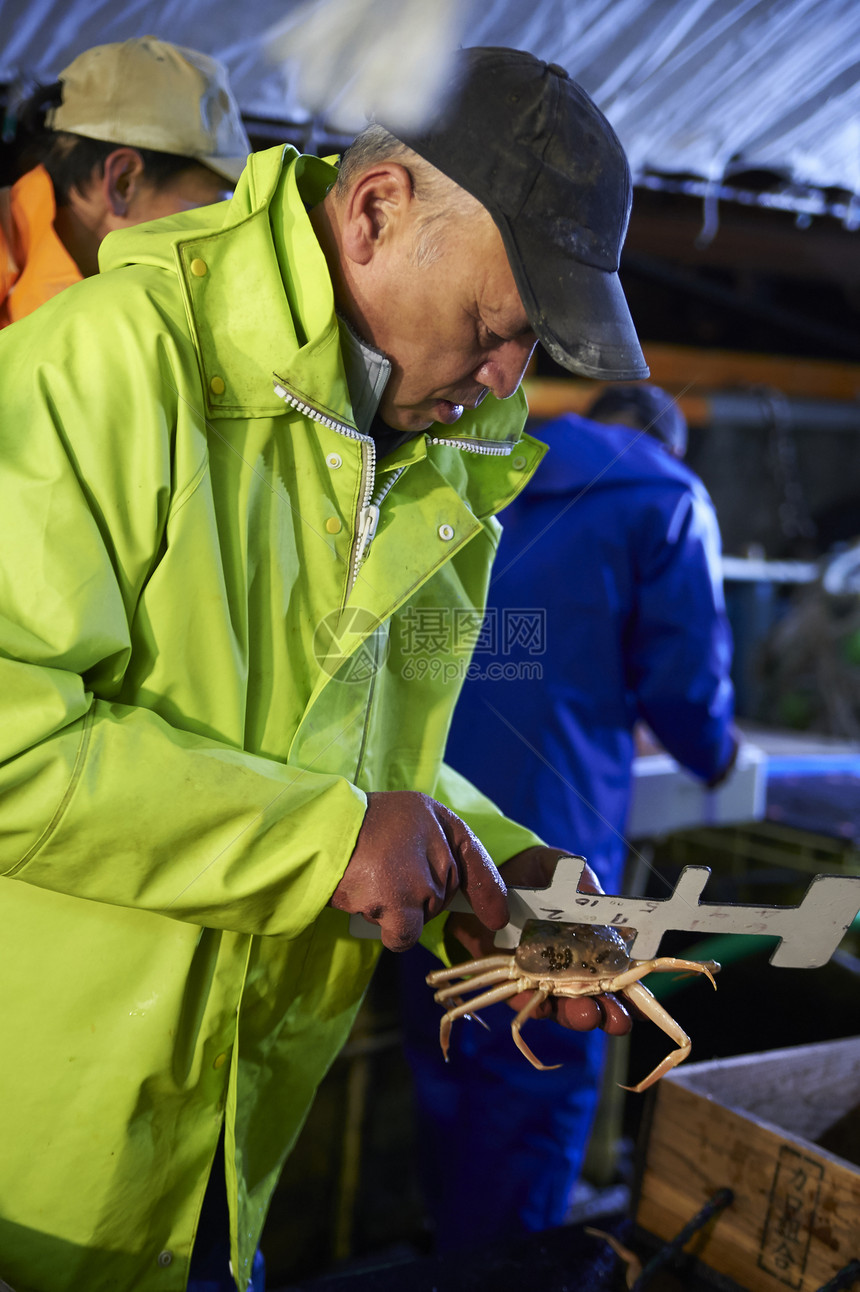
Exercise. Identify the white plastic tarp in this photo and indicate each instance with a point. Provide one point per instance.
(704, 87)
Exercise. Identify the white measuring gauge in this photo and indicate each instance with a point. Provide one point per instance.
(810, 932)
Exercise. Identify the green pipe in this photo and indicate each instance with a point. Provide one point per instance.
(725, 948)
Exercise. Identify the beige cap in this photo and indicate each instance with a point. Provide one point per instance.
(147, 93)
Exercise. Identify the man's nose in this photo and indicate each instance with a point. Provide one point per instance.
(503, 370)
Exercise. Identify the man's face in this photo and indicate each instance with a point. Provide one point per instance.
(453, 329)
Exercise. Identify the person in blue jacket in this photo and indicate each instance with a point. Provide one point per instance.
(606, 609)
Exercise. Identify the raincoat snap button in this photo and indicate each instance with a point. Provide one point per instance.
(333, 525)
(220, 1061)
(446, 532)
(216, 385)
(165, 1257)
(334, 460)
(198, 267)
(518, 462)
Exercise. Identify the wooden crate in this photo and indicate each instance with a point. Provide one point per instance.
(781, 1130)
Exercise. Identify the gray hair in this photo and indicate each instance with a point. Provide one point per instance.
(443, 200)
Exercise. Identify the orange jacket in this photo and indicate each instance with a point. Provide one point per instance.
(34, 264)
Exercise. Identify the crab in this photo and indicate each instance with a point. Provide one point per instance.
(558, 959)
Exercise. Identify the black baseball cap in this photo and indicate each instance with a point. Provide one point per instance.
(532, 147)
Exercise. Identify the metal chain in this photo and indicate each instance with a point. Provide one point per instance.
(722, 1198)
(848, 1277)
(795, 518)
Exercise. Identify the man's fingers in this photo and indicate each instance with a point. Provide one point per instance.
(411, 856)
(471, 935)
(583, 1014)
(589, 883)
(617, 1017)
(580, 1013)
(480, 881)
(400, 928)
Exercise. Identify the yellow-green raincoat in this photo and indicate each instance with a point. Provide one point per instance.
(199, 680)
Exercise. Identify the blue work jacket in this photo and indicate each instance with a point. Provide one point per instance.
(606, 606)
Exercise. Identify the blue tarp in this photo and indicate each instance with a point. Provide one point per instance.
(816, 793)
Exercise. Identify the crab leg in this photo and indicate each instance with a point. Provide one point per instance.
(525, 1013)
(474, 966)
(509, 988)
(651, 1008)
(475, 1018)
(669, 964)
(453, 993)
(666, 964)
(474, 984)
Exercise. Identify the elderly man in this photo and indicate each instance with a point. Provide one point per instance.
(236, 463)
(137, 130)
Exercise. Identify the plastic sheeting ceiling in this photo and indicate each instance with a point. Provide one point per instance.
(701, 87)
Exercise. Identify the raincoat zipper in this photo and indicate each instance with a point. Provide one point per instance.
(367, 530)
(368, 512)
(473, 446)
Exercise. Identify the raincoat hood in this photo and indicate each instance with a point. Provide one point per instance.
(592, 455)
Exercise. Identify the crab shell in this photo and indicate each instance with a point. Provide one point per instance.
(576, 951)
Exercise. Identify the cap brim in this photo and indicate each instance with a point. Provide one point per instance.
(228, 167)
(579, 313)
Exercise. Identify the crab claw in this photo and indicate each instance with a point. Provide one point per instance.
(445, 1035)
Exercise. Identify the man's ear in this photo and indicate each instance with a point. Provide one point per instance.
(121, 179)
(376, 208)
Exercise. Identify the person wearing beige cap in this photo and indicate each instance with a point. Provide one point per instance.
(137, 130)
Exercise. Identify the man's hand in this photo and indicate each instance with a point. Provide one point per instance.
(411, 857)
(534, 868)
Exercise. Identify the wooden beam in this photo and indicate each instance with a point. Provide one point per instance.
(692, 374)
(749, 239)
(677, 366)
